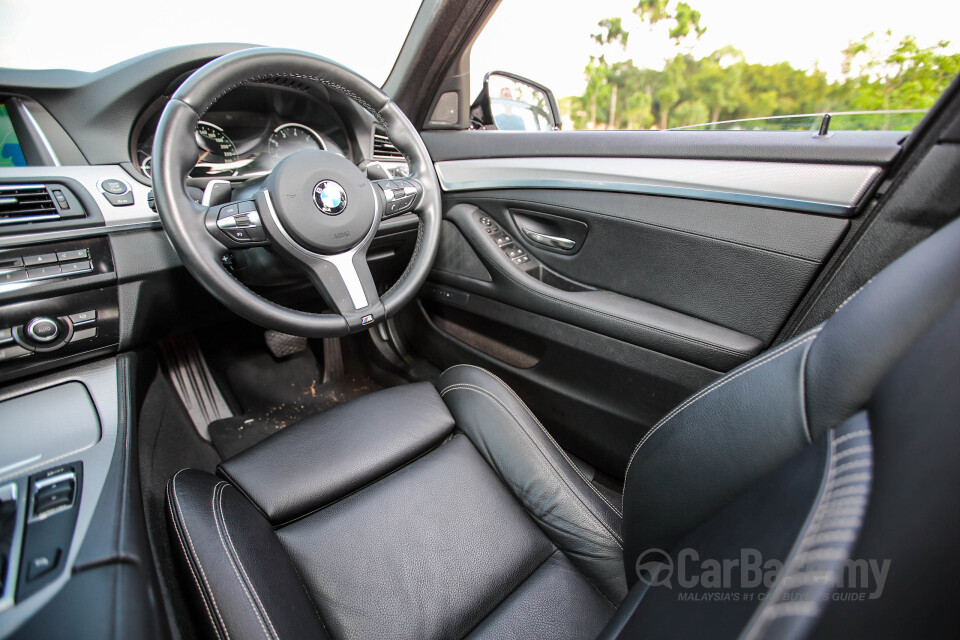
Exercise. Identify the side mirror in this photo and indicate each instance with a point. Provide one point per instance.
(512, 103)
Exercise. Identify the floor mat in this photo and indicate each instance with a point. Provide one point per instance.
(274, 394)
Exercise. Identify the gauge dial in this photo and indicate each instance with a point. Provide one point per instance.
(291, 137)
(146, 165)
(216, 149)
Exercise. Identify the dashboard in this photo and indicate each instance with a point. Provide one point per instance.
(82, 250)
(87, 272)
(248, 131)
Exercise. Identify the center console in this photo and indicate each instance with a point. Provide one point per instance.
(58, 303)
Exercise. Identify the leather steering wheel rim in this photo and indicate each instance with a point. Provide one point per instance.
(188, 224)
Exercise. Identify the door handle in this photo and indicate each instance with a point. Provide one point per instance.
(555, 242)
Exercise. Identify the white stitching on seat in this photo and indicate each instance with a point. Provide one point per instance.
(850, 436)
(789, 346)
(542, 428)
(194, 553)
(853, 295)
(482, 391)
(203, 595)
(218, 509)
(826, 523)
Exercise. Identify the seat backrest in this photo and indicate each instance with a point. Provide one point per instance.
(742, 427)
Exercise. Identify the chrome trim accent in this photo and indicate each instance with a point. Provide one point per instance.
(342, 262)
(17, 465)
(46, 482)
(8, 493)
(91, 177)
(125, 183)
(831, 189)
(14, 187)
(40, 134)
(33, 323)
(41, 218)
(72, 234)
(209, 189)
(24, 284)
(550, 241)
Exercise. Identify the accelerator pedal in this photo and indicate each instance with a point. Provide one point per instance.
(332, 359)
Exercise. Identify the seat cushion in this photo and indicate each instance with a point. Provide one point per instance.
(381, 520)
(326, 456)
(428, 552)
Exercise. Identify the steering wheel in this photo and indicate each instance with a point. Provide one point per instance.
(315, 208)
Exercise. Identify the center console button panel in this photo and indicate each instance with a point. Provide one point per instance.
(27, 265)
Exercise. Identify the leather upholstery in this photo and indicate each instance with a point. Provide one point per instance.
(427, 553)
(387, 522)
(573, 513)
(486, 529)
(729, 435)
(326, 456)
(247, 585)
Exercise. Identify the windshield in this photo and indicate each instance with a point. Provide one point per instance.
(365, 35)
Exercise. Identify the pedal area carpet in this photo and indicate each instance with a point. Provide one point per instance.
(275, 394)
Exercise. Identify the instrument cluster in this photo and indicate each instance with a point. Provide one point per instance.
(248, 131)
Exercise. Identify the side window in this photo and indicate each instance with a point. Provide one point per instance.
(706, 64)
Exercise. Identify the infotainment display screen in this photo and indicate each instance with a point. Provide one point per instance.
(11, 155)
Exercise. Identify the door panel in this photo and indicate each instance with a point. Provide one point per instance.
(739, 267)
(647, 279)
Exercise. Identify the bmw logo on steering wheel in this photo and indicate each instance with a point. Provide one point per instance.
(329, 197)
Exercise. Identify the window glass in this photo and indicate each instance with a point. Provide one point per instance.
(728, 64)
(365, 35)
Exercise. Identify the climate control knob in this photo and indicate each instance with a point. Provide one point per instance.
(43, 330)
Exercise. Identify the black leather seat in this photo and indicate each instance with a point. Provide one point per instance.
(418, 512)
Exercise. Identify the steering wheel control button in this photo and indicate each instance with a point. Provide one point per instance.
(238, 235)
(240, 222)
(330, 197)
(43, 330)
(229, 210)
(114, 186)
(121, 200)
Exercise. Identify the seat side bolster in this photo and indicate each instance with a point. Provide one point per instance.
(249, 588)
(713, 446)
(577, 517)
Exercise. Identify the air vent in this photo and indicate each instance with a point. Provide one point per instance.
(383, 149)
(21, 203)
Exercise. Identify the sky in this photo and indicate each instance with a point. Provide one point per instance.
(546, 41)
(802, 32)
